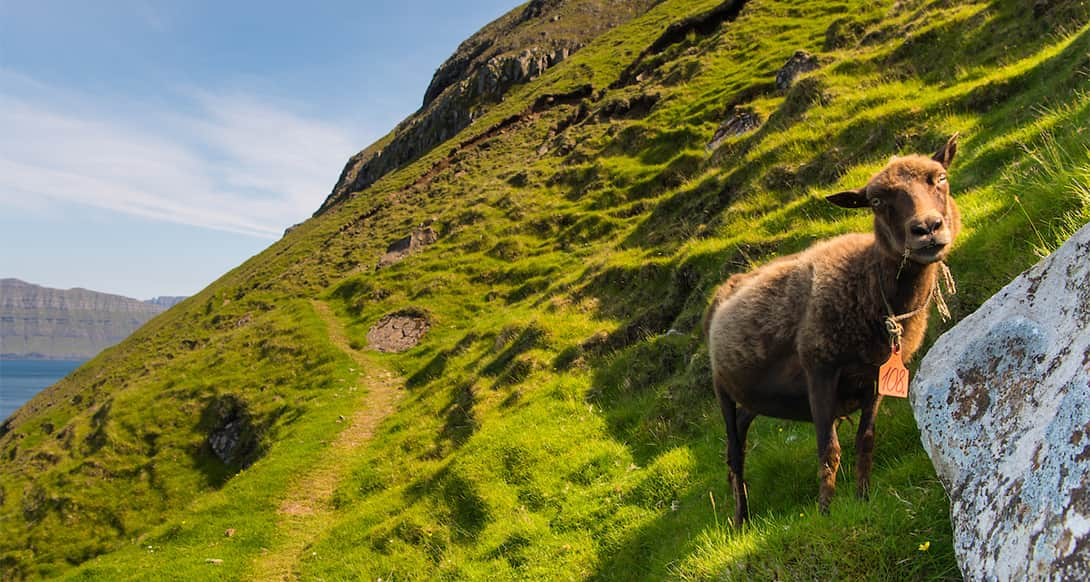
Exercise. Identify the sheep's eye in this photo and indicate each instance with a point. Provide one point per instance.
(876, 202)
(942, 178)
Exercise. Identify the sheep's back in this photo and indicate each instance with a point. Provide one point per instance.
(759, 323)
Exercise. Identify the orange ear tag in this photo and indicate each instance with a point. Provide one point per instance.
(893, 377)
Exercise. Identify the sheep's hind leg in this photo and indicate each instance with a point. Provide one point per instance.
(864, 445)
(737, 421)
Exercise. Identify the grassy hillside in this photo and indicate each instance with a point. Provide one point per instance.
(551, 425)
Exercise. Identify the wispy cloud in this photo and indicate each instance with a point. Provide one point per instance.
(231, 161)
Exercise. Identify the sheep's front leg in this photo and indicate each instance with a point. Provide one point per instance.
(822, 386)
(864, 445)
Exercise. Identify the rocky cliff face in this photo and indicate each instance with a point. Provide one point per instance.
(39, 322)
(516, 48)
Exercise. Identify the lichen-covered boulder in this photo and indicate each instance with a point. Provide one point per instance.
(1003, 405)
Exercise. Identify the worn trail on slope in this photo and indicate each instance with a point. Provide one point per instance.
(306, 512)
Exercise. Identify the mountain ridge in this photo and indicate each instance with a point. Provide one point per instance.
(512, 50)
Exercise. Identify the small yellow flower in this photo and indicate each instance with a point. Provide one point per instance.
(924, 546)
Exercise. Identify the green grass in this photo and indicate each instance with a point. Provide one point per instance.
(553, 426)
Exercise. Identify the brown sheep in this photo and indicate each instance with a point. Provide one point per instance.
(803, 337)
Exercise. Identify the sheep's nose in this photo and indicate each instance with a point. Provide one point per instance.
(925, 227)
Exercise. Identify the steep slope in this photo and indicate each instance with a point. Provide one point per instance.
(74, 324)
(557, 420)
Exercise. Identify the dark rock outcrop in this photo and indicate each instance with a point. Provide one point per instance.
(1002, 401)
(233, 437)
(741, 120)
(403, 247)
(799, 63)
(701, 24)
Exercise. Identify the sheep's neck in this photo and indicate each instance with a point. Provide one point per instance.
(905, 284)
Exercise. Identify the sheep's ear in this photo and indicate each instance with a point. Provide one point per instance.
(849, 199)
(946, 155)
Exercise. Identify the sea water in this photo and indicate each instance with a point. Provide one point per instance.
(20, 380)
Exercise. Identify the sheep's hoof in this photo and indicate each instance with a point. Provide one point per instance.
(741, 516)
(825, 497)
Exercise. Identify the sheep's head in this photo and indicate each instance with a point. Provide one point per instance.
(914, 214)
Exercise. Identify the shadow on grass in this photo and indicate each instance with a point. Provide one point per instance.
(787, 532)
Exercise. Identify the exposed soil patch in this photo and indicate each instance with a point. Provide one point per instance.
(398, 332)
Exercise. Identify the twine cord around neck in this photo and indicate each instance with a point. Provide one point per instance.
(893, 324)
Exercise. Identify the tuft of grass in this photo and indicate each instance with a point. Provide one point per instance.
(1054, 162)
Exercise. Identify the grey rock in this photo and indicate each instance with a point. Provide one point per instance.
(403, 247)
(741, 120)
(233, 439)
(225, 440)
(799, 63)
(1003, 401)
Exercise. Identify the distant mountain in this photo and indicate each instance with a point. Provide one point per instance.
(73, 324)
(166, 301)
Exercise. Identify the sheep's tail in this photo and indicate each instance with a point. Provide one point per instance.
(721, 295)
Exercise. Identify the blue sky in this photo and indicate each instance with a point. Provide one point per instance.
(148, 147)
